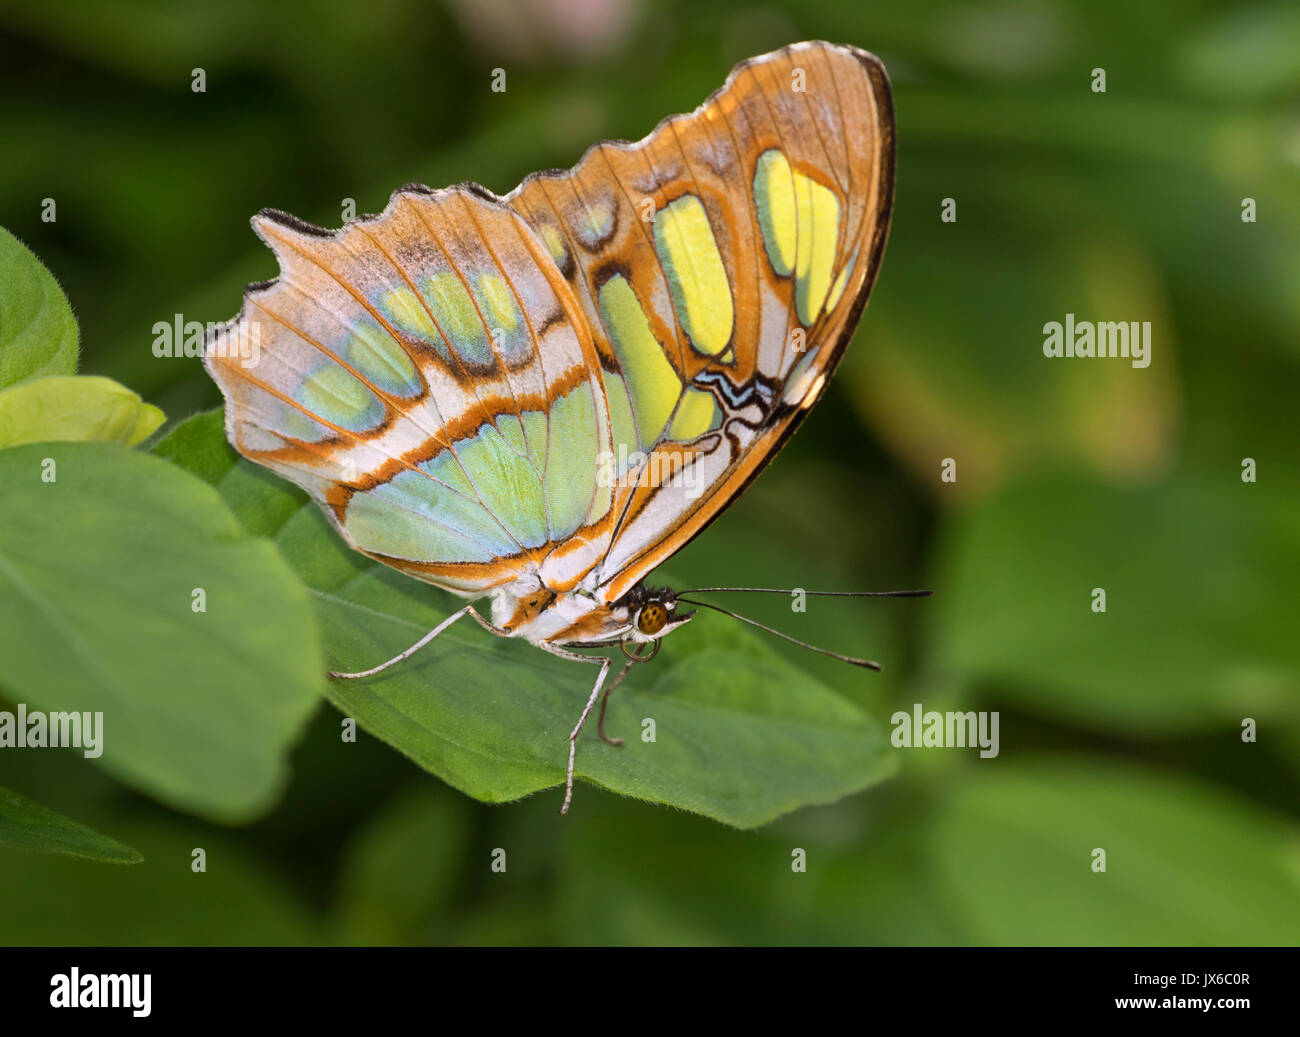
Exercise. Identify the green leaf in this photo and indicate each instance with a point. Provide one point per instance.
(1198, 629)
(741, 736)
(265, 501)
(1186, 864)
(75, 408)
(99, 572)
(198, 444)
(30, 826)
(38, 333)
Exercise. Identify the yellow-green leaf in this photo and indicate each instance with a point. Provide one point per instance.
(75, 408)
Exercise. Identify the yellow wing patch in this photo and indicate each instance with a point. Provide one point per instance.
(502, 310)
(696, 414)
(774, 196)
(403, 306)
(800, 220)
(837, 289)
(651, 380)
(819, 227)
(696, 274)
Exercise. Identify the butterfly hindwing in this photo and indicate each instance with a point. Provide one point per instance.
(426, 376)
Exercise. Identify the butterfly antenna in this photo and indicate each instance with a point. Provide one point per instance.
(851, 660)
(816, 594)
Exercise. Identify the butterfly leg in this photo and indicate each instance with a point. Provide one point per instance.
(604, 701)
(603, 662)
(467, 610)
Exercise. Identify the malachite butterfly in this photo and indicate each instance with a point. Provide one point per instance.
(539, 398)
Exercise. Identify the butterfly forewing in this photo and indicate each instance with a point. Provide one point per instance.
(722, 263)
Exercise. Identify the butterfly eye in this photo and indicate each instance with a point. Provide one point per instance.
(652, 618)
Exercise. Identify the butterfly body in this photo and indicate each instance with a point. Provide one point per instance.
(576, 618)
(538, 398)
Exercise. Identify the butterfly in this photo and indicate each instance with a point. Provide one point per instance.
(538, 398)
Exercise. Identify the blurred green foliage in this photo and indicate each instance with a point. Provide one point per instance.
(30, 826)
(1119, 730)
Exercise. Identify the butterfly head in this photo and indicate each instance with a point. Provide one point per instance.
(651, 613)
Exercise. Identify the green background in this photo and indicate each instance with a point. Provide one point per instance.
(1119, 731)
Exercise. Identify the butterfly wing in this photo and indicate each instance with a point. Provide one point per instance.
(427, 377)
(570, 380)
(722, 264)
